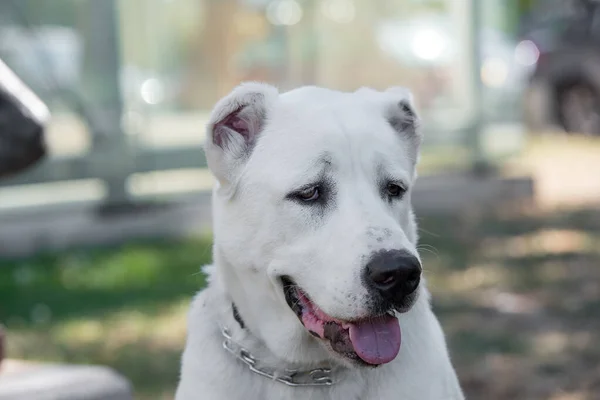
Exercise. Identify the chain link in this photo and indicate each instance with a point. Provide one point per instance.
(290, 377)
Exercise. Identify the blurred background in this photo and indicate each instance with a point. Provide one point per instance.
(101, 243)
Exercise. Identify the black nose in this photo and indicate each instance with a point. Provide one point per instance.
(394, 274)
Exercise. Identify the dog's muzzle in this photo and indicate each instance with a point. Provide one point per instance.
(368, 341)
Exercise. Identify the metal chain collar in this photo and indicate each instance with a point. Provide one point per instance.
(290, 377)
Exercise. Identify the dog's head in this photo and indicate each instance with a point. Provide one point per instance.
(315, 238)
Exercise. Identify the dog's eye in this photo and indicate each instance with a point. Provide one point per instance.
(309, 194)
(394, 190)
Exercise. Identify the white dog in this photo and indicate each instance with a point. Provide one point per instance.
(316, 289)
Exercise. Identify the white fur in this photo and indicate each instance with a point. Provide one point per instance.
(260, 236)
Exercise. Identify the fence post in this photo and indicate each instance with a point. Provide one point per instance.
(111, 153)
(479, 162)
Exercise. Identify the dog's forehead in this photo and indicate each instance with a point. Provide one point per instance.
(309, 125)
(320, 117)
(315, 101)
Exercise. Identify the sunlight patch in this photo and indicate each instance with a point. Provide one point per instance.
(548, 241)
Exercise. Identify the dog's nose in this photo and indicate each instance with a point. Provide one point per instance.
(394, 274)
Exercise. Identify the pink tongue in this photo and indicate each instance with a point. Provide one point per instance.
(376, 341)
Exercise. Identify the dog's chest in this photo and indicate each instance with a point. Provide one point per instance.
(275, 390)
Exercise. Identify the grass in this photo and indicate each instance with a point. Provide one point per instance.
(124, 307)
(518, 295)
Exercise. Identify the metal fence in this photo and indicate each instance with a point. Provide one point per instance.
(114, 155)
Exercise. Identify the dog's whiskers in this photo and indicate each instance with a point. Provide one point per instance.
(425, 245)
(426, 231)
(204, 253)
(297, 302)
(428, 248)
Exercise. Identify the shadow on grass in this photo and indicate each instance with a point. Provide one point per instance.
(519, 302)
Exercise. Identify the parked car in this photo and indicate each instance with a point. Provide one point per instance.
(564, 89)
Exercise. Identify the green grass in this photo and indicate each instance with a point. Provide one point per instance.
(518, 296)
(122, 306)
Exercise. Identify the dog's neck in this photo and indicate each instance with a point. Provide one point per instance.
(246, 348)
(252, 326)
(289, 375)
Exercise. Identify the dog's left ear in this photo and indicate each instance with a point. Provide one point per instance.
(402, 116)
(234, 127)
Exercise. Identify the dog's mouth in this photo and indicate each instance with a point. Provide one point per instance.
(371, 341)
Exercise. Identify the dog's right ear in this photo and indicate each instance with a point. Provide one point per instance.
(234, 127)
